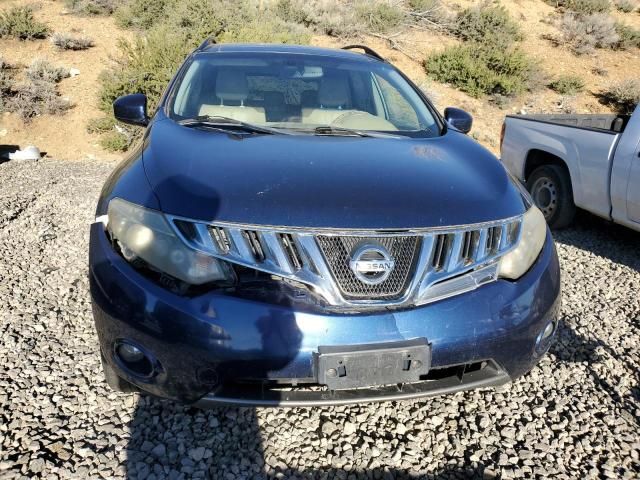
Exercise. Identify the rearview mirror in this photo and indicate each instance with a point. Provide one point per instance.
(131, 109)
(458, 119)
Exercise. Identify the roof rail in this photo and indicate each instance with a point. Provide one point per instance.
(369, 51)
(210, 40)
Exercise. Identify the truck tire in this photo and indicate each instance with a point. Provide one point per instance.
(550, 187)
(116, 382)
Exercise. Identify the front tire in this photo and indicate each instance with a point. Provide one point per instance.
(550, 187)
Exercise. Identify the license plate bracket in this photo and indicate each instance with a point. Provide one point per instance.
(354, 366)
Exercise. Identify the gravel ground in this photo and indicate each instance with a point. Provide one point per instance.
(576, 415)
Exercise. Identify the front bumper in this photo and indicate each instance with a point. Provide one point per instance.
(216, 348)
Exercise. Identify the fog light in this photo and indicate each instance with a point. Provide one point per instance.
(544, 337)
(548, 330)
(130, 353)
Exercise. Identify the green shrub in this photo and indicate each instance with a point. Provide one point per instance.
(567, 85)
(101, 125)
(147, 63)
(585, 7)
(629, 37)
(586, 33)
(142, 13)
(423, 5)
(479, 69)
(626, 6)
(114, 142)
(64, 41)
(329, 17)
(258, 31)
(624, 96)
(19, 22)
(484, 23)
(92, 7)
(145, 66)
(380, 16)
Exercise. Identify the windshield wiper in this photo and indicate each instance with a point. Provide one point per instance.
(227, 123)
(340, 131)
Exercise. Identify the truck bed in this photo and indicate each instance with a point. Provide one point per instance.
(609, 122)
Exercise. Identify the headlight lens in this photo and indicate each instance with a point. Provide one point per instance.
(146, 234)
(534, 232)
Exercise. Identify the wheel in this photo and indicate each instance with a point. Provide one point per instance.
(116, 382)
(550, 187)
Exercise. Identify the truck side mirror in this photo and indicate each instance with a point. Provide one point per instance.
(458, 119)
(131, 109)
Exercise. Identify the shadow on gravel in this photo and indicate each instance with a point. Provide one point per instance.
(572, 347)
(605, 239)
(230, 443)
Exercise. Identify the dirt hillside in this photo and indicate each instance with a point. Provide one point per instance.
(65, 136)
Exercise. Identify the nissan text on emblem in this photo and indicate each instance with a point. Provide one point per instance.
(371, 264)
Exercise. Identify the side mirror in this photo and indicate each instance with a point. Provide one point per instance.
(131, 109)
(458, 119)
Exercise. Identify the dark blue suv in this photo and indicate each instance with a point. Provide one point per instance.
(301, 227)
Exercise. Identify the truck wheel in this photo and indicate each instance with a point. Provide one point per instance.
(116, 382)
(550, 187)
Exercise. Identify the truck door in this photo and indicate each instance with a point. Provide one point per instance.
(633, 187)
(625, 175)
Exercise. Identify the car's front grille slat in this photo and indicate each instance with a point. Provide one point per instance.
(425, 264)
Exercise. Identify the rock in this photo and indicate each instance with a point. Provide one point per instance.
(197, 454)
(348, 428)
(159, 450)
(328, 428)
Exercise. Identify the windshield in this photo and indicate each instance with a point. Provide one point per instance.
(301, 92)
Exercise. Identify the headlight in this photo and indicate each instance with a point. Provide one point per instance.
(146, 234)
(533, 234)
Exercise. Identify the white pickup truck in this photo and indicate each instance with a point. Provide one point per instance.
(568, 161)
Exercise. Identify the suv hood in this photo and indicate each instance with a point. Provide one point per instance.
(326, 181)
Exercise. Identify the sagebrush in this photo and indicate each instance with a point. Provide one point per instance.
(33, 98)
(380, 16)
(43, 70)
(92, 7)
(586, 7)
(624, 96)
(585, 33)
(322, 16)
(626, 6)
(629, 36)
(65, 41)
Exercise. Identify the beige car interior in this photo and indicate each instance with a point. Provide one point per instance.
(232, 86)
(334, 105)
(335, 108)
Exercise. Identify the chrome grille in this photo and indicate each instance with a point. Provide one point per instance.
(428, 264)
(337, 251)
